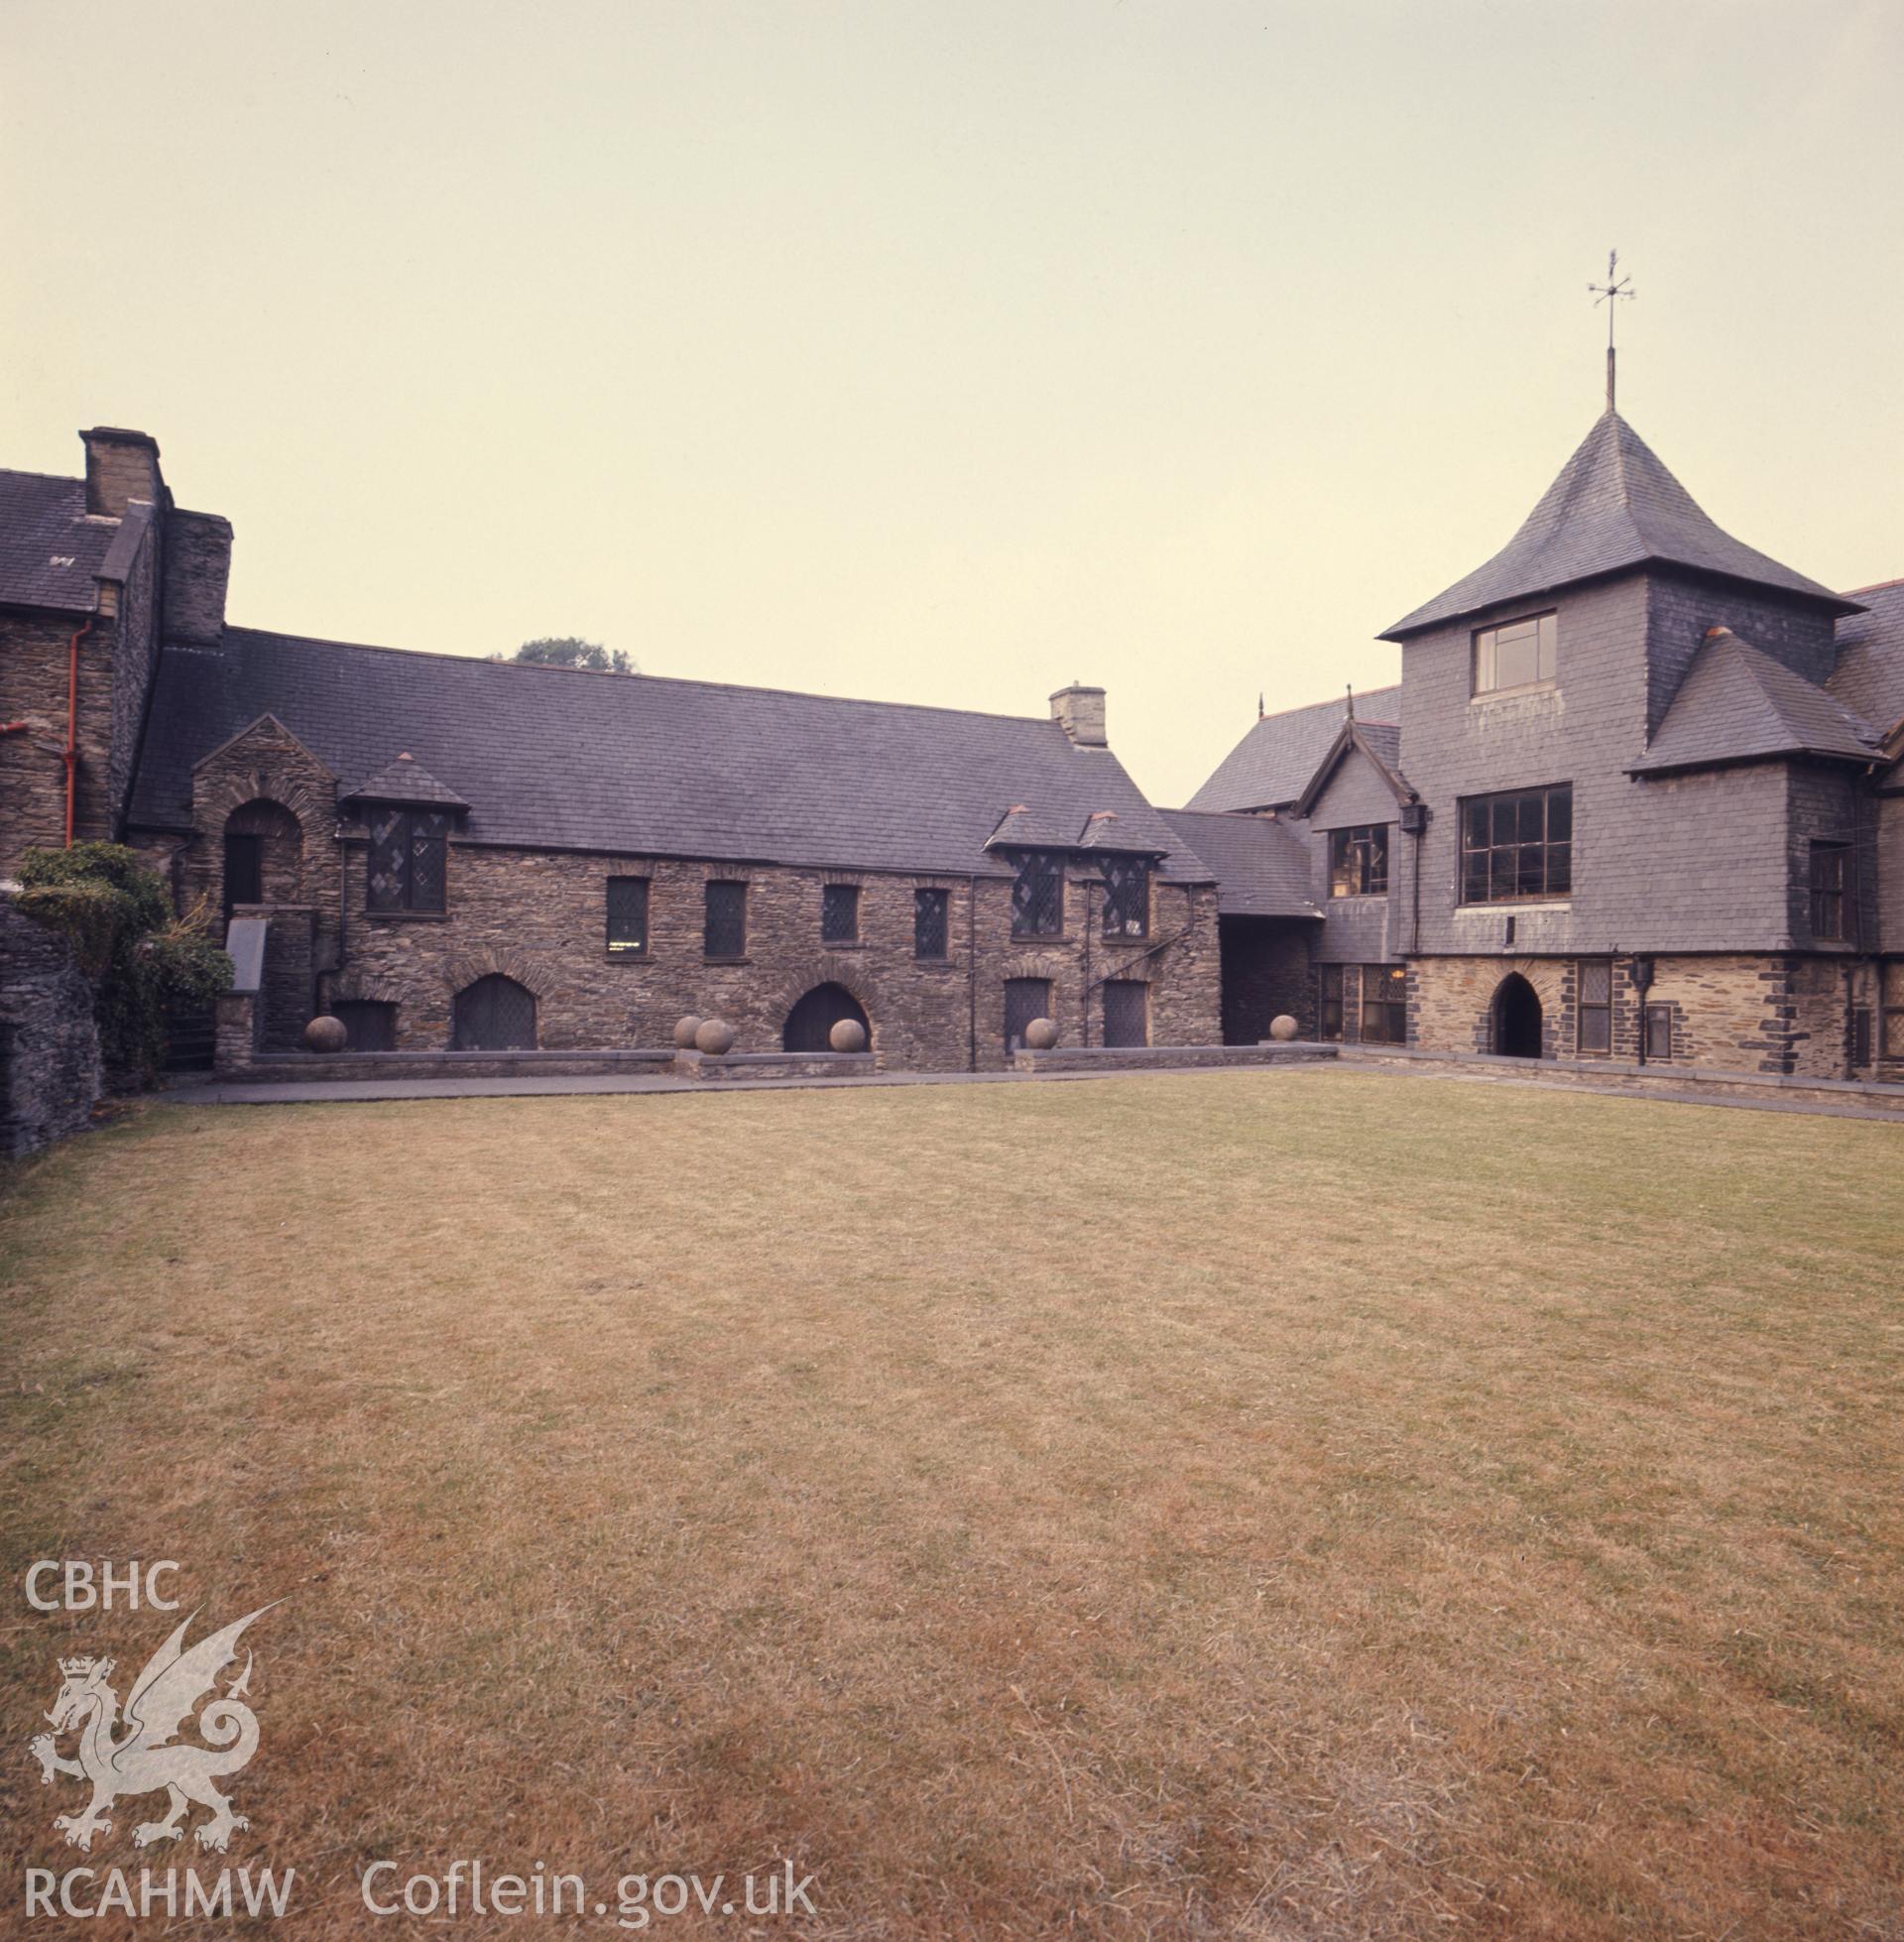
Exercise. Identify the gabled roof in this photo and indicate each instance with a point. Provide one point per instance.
(1380, 742)
(1273, 761)
(1613, 506)
(1260, 863)
(1024, 828)
(1738, 704)
(633, 765)
(51, 552)
(1869, 677)
(406, 780)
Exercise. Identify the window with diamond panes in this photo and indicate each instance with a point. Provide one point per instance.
(839, 914)
(409, 860)
(725, 931)
(1037, 896)
(1127, 897)
(928, 924)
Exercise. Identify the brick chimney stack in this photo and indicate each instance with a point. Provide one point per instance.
(1079, 711)
(120, 466)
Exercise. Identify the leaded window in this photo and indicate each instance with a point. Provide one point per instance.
(1517, 847)
(1331, 1021)
(1384, 1005)
(1594, 1004)
(839, 914)
(1831, 890)
(409, 860)
(1359, 860)
(929, 924)
(1516, 655)
(725, 933)
(1659, 1031)
(1127, 897)
(627, 916)
(1038, 895)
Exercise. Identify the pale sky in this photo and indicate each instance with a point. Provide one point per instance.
(950, 353)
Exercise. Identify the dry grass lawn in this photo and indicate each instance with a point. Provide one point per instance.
(1257, 1505)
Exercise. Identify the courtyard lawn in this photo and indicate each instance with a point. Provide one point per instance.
(1301, 1504)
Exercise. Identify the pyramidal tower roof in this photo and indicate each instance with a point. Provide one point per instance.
(1613, 506)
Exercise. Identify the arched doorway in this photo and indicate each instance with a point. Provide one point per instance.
(811, 1023)
(1516, 1018)
(494, 1014)
(264, 855)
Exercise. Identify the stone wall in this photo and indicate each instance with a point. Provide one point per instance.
(50, 1072)
(33, 775)
(540, 918)
(1774, 1014)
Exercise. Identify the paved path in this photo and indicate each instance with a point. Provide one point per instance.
(191, 1091)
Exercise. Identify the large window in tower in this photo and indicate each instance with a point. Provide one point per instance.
(1517, 847)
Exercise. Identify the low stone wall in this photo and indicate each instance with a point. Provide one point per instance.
(1164, 1059)
(302, 1068)
(50, 1076)
(774, 1065)
(1629, 1075)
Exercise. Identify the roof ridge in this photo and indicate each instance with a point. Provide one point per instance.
(672, 680)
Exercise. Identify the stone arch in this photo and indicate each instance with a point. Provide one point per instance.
(361, 988)
(848, 970)
(811, 1019)
(263, 859)
(463, 968)
(1516, 1019)
(1037, 964)
(494, 1012)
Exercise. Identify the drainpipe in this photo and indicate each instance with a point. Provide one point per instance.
(971, 973)
(73, 722)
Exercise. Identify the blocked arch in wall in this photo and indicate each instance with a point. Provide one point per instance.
(463, 968)
(849, 973)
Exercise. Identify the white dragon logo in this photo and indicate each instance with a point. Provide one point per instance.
(147, 1756)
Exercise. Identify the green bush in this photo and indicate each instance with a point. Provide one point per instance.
(141, 959)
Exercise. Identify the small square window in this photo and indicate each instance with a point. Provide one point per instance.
(1359, 860)
(839, 914)
(1519, 654)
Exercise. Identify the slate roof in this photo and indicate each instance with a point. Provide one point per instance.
(1260, 863)
(1275, 761)
(1614, 505)
(51, 552)
(1870, 675)
(406, 780)
(634, 765)
(1738, 704)
(1381, 740)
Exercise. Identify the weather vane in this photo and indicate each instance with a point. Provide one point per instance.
(1610, 292)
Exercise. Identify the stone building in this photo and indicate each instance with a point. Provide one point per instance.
(1638, 796)
(451, 853)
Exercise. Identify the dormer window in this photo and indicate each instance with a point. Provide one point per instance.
(1518, 655)
(1038, 895)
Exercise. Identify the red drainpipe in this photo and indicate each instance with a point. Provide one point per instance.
(73, 721)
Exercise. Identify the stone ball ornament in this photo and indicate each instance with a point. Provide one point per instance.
(715, 1037)
(848, 1036)
(1282, 1028)
(325, 1033)
(1040, 1034)
(687, 1031)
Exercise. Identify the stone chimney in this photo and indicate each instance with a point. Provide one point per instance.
(198, 568)
(120, 466)
(1079, 711)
